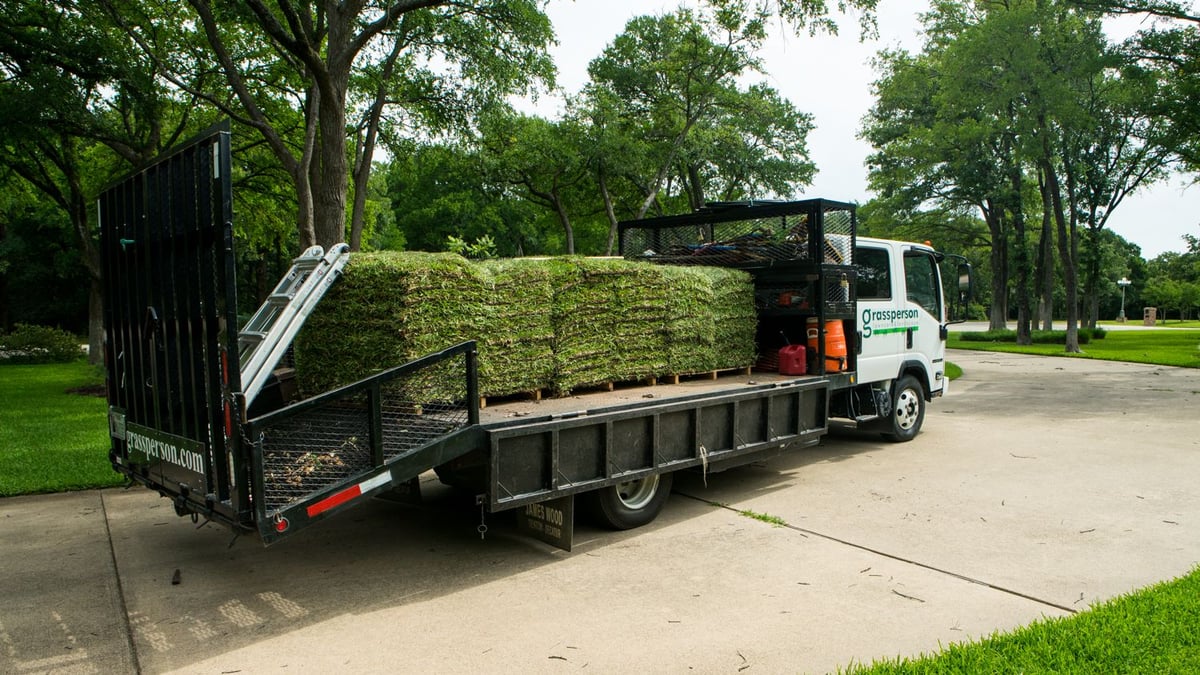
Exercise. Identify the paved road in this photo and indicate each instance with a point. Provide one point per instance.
(1038, 487)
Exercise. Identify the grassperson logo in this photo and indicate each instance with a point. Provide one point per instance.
(884, 321)
(176, 450)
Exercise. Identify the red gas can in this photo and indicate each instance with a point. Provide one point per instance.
(791, 360)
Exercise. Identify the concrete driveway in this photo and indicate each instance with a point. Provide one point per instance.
(1038, 487)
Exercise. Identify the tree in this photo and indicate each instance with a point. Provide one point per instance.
(937, 145)
(666, 74)
(670, 125)
(435, 192)
(332, 62)
(1006, 95)
(537, 158)
(1167, 49)
(1174, 279)
(756, 147)
(77, 107)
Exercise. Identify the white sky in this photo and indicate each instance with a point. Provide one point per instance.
(829, 77)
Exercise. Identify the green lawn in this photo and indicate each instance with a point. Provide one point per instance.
(52, 440)
(1163, 347)
(1153, 630)
(1173, 323)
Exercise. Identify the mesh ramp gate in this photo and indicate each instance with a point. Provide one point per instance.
(362, 439)
(170, 323)
(175, 392)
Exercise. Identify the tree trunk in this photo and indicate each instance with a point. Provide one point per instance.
(366, 150)
(565, 220)
(1091, 284)
(998, 313)
(696, 185)
(4, 312)
(1067, 249)
(302, 171)
(609, 212)
(96, 322)
(1017, 211)
(332, 169)
(1046, 260)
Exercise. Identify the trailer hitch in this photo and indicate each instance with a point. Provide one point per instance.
(180, 501)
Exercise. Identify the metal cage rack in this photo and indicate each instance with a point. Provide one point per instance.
(746, 235)
(801, 254)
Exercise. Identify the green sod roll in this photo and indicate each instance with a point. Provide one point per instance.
(557, 324)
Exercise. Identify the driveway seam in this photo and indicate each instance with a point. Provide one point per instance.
(112, 551)
(902, 559)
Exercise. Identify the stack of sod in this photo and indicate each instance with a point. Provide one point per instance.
(710, 319)
(386, 310)
(516, 349)
(608, 321)
(559, 324)
(734, 318)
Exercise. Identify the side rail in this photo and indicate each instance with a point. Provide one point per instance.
(550, 458)
(319, 456)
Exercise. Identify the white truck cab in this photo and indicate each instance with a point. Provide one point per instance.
(901, 333)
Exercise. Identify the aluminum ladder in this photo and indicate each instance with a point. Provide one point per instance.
(266, 337)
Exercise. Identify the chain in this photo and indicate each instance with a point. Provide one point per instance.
(481, 500)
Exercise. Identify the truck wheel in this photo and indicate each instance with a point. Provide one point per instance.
(908, 410)
(628, 505)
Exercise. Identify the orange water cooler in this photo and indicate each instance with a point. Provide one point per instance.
(835, 344)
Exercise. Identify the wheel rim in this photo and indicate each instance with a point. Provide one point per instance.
(908, 409)
(636, 494)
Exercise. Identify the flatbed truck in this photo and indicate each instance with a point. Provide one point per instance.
(195, 414)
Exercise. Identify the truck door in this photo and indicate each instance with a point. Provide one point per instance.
(924, 315)
(880, 300)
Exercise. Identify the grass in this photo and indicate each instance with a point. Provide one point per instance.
(1165, 347)
(1173, 323)
(1153, 630)
(52, 440)
(764, 517)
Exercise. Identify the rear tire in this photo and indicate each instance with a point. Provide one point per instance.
(908, 410)
(630, 504)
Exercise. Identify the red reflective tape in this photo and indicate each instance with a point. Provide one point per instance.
(349, 493)
(334, 500)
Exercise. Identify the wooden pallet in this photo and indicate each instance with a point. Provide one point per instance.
(613, 385)
(533, 395)
(706, 375)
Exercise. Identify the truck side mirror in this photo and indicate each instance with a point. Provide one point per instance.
(958, 306)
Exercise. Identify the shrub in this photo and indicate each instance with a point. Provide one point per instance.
(1038, 337)
(39, 344)
(989, 336)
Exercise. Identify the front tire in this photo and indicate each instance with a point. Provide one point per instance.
(908, 410)
(630, 504)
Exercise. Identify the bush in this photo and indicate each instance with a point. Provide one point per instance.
(39, 344)
(989, 336)
(1038, 337)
